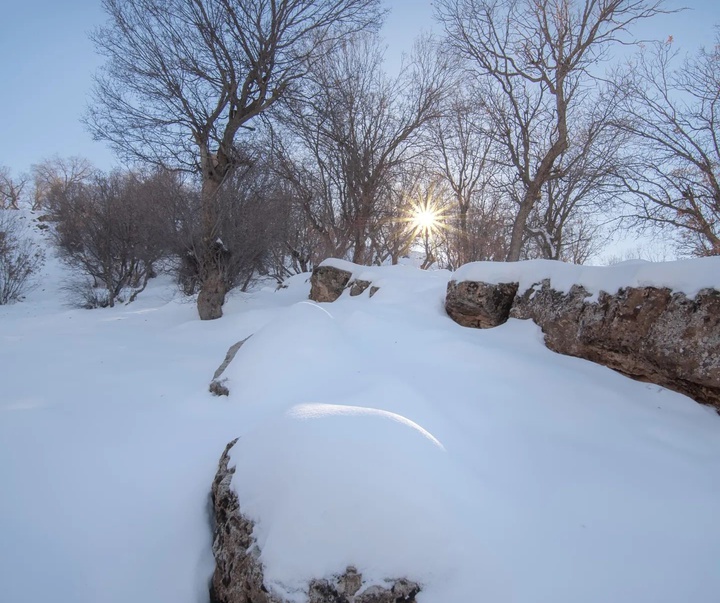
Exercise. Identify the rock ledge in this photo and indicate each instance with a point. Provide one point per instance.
(651, 334)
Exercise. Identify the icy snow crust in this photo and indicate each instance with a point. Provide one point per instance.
(373, 432)
(686, 276)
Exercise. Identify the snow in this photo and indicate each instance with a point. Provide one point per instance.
(373, 432)
(687, 276)
(361, 484)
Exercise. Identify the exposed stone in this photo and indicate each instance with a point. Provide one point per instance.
(217, 386)
(327, 283)
(350, 583)
(374, 290)
(479, 305)
(403, 591)
(344, 589)
(229, 357)
(646, 333)
(357, 287)
(238, 576)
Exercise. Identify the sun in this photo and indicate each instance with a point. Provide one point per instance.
(426, 218)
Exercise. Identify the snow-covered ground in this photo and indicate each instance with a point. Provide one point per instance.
(374, 432)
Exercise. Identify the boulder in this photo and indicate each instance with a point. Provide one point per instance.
(647, 333)
(357, 287)
(479, 305)
(238, 576)
(327, 283)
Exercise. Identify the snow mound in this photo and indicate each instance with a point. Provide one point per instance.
(330, 486)
(686, 276)
(392, 280)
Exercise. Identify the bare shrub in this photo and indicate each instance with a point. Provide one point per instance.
(19, 259)
(82, 291)
(112, 231)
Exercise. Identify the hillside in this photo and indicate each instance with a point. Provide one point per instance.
(373, 432)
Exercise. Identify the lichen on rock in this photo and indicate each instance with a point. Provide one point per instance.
(647, 333)
(327, 283)
(479, 305)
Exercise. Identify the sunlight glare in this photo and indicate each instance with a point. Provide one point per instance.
(425, 218)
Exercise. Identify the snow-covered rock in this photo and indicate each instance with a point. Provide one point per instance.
(648, 333)
(327, 283)
(240, 575)
(656, 322)
(686, 276)
(332, 277)
(653, 322)
(480, 305)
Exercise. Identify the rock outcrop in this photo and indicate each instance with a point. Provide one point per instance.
(238, 576)
(358, 287)
(327, 283)
(479, 305)
(648, 333)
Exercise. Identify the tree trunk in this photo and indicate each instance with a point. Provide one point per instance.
(212, 296)
(464, 237)
(518, 231)
(360, 250)
(212, 280)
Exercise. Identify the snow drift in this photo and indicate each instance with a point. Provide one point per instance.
(374, 432)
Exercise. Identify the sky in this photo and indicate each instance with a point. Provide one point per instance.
(47, 62)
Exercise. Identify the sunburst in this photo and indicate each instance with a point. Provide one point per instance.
(426, 218)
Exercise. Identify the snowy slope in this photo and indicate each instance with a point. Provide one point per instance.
(373, 431)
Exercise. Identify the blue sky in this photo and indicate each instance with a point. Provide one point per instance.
(47, 62)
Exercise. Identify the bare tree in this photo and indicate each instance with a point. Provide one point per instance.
(566, 223)
(183, 78)
(534, 59)
(462, 151)
(11, 189)
(349, 136)
(672, 171)
(62, 172)
(112, 231)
